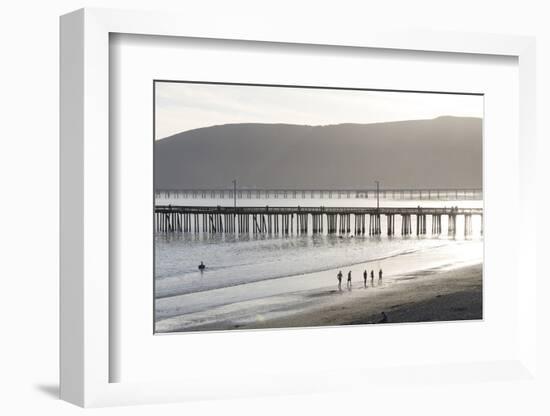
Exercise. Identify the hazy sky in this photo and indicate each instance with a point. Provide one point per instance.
(181, 107)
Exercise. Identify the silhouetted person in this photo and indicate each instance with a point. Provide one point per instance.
(380, 274)
(349, 279)
(371, 276)
(202, 266)
(365, 274)
(339, 276)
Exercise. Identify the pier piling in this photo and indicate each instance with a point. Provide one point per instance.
(280, 220)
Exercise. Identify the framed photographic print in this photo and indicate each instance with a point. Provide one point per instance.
(268, 212)
(346, 206)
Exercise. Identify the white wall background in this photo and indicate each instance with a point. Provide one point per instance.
(29, 208)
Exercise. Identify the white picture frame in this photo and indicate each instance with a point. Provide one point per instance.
(85, 181)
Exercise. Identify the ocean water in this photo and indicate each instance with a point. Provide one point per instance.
(237, 260)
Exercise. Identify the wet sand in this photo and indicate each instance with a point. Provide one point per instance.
(428, 295)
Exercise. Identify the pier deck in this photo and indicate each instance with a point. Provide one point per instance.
(274, 210)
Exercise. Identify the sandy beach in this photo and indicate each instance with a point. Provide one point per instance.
(440, 293)
(428, 295)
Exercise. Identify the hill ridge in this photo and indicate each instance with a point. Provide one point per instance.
(444, 152)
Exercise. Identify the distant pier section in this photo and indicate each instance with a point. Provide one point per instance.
(304, 220)
(391, 194)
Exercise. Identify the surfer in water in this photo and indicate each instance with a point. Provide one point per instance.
(202, 266)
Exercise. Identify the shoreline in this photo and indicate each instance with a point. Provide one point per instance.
(431, 294)
(223, 303)
(309, 272)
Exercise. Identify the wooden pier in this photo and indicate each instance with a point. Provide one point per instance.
(302, 220)
(443, 194)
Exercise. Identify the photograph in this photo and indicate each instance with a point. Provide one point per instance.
(291, 206)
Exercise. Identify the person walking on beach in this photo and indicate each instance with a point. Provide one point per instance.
(365, 274)
(380, 274)
(371, 277)
(339, 276)
(349, 279)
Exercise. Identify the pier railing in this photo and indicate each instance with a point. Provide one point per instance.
(298, 220)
